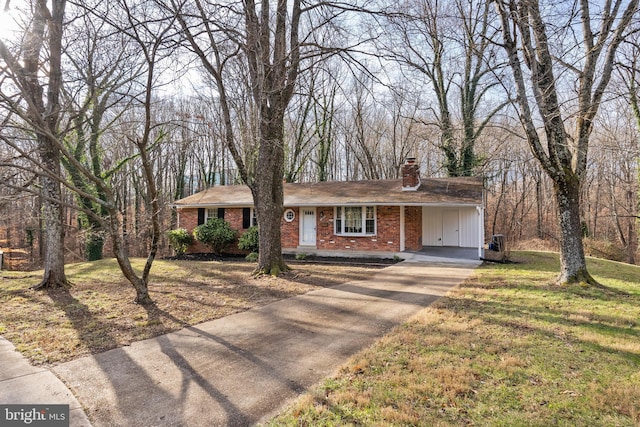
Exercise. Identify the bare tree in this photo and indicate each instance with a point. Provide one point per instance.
(92, 181)
(630, 74)
(265, 38)
(42, 115)
(148, 29)
(539, 69)
(310, 122)
(451, 44)
(101, 76)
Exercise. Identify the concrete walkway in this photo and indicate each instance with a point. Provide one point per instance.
(21, 383)
(245, 368)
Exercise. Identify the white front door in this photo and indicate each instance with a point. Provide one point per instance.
(451, 227)
(308, 227)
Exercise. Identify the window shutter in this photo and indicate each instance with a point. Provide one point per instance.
(200, 216)
(221, 213)
(246, 217)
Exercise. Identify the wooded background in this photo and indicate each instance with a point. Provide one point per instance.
(377, 83)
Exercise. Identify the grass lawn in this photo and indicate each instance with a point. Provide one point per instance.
(506, 348)
(97, 312)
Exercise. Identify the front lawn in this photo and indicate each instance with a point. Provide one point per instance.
(97, 313)
(506, 348)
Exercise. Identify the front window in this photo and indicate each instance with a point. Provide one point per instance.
(249, 217)
(355, 220)
(211, 213)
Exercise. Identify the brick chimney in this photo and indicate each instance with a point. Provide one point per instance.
(410, 175)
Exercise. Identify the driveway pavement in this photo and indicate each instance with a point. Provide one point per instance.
(243, 369)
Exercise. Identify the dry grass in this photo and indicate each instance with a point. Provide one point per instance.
(97, 313)
(506, 348)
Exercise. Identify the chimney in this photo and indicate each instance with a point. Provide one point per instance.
(410, 175)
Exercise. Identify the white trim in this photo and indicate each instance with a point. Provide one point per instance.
(480, 230)
(301, 226)
(206, 213)
(364, 220)
(289, 210)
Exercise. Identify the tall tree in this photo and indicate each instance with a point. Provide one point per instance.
(42, 50)
(630, 75)
(452, 45)
(102, 72)
(264, 38)
(586, 49)
(148, 28)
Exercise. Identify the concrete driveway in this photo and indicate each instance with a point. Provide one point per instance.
(245, 368)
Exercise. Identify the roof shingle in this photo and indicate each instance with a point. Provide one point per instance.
(432, 191)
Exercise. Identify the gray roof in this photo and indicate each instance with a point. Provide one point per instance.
(432, 191)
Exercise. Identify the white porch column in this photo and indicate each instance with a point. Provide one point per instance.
(480, 230)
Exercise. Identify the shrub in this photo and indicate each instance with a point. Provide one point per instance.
(179, 239)
(249, 240)
(215, 233)
(252, 257)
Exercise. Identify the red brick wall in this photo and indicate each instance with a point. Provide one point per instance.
(189, 220)
(410, 175)
(413, 228)
(291, 230)
(386, 239)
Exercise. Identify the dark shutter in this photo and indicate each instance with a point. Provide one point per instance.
(246, 217)
(200, 216)
(221, 213)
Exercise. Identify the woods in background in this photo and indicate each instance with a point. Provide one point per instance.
(141, 120)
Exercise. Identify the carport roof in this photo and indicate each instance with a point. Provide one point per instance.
(432, 191)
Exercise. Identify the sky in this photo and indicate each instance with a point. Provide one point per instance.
(8, 22)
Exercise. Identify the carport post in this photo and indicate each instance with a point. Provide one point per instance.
(480, 230)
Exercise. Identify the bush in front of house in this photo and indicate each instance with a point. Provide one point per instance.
(180, 239)
(249, 240)
(215, 233)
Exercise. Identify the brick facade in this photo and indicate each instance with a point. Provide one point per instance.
(410, 174)
(189, 220)
(413, 228)
(291, 230)
(387, 238)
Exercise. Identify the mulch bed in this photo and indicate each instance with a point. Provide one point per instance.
(290, 259)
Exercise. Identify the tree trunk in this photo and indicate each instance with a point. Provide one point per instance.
(632, 232)
(33, 76)
(54, 275)
(268, 192)
(122, 256)
(564, 158)
(573, 267)
(539, 201)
